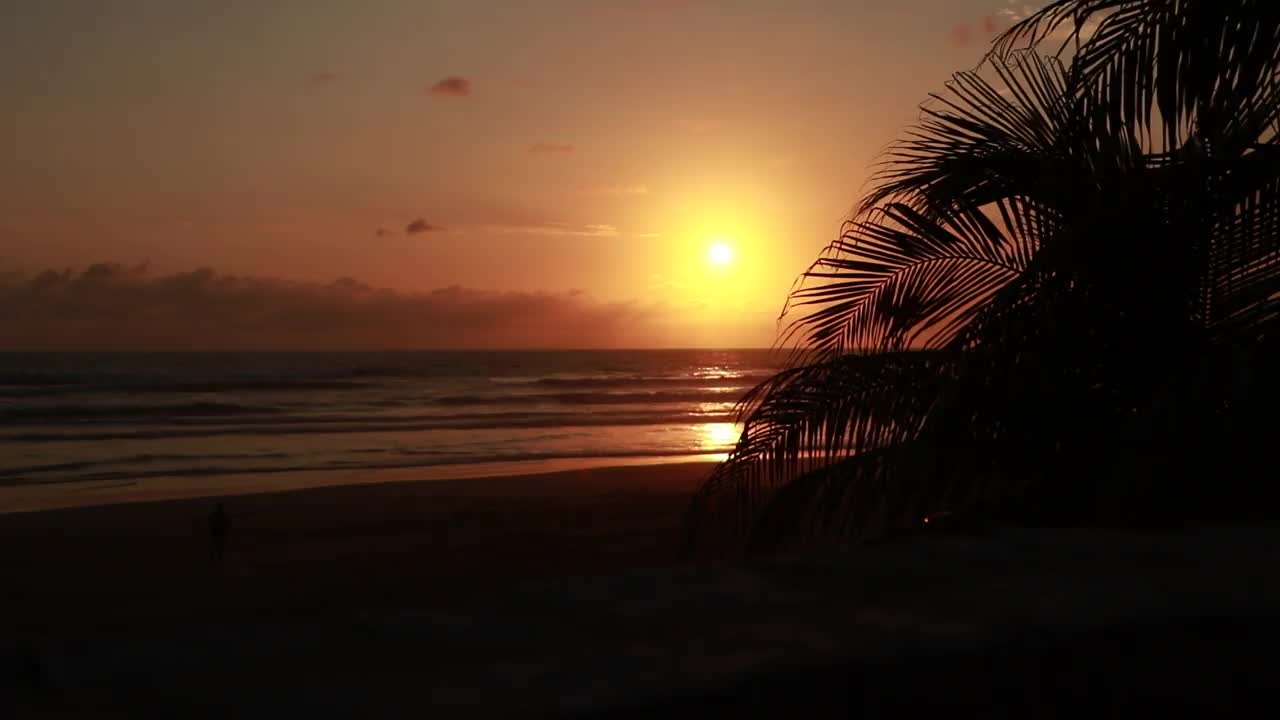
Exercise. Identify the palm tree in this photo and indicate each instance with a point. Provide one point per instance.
(1059, 302)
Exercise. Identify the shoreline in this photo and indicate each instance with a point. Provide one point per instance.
(298, 551)
(17, 499)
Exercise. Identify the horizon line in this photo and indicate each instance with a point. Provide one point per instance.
(171, 351)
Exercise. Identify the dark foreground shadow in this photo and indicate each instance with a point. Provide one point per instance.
(1213, 665)
(1216, 666)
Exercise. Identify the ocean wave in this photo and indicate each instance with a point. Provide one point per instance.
(180, 411)
(143, 459)
(158, 387)
(224, 413)
(365, 424)
(43, 374)
(586, 382)
(54, 389)
(494, 416)
(90, 413)
(656, 397)
(7, 478)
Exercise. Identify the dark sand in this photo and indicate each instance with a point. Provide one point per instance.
(421, 544)
(559, 596)
(1221, 665)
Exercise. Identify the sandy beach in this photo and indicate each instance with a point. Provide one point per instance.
(307, 551)
(398, 599)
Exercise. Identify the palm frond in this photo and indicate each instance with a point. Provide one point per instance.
(1054, 267)
(981, 140)
(859, 497)
(809, 417)
(905, 280)
(1167, 67)
(1243, 266)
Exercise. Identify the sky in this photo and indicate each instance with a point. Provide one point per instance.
(324, 174)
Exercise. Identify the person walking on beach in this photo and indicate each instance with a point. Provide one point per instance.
(219, 527)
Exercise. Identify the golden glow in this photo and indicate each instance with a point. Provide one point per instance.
(720, 253)
(711, 288)
(719, 437)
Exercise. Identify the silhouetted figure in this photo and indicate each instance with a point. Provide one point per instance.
(219, 528)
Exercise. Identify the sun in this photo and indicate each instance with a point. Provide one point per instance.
(720, 253)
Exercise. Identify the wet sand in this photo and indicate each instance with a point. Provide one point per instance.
(291, 554)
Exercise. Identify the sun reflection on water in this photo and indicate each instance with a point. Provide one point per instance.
(718, 437)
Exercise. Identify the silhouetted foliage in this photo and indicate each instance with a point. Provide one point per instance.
(1058, 303)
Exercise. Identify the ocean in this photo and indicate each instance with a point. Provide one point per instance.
(89, 417)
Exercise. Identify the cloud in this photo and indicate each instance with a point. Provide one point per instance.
(617, 191)
(383, 232)
(601, 230)
(113, 307)
(551, 148)
(561, 229)
(452, 86)
(504, 216)
(320, 79)
(421, 226)
(1018, 11)
(984, 29)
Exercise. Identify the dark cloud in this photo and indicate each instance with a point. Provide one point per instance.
(452, 86)
(320, 79)
(551, 148)
(113, 307)
(421, 226)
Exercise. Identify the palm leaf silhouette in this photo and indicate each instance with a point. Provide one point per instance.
(984, 333)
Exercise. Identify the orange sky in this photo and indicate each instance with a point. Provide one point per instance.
(588, 151)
